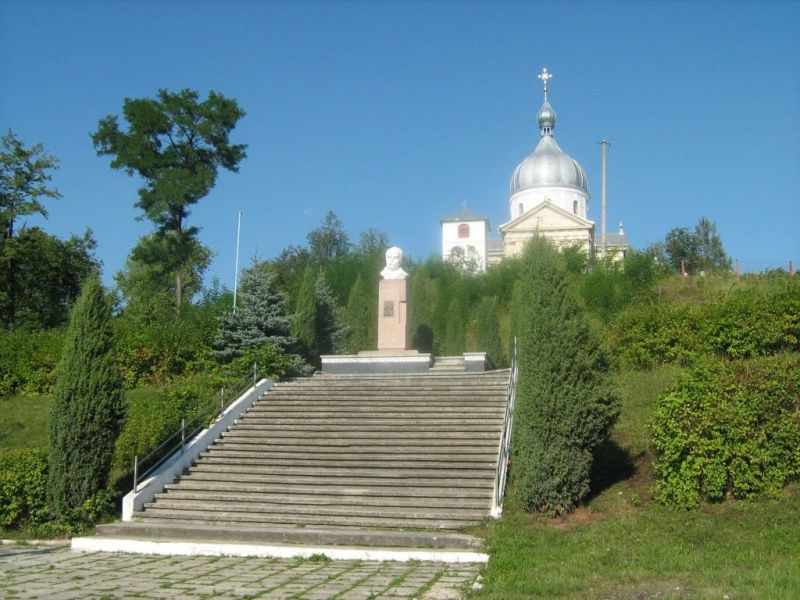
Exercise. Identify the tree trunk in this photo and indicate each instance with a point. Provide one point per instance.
(178, 291)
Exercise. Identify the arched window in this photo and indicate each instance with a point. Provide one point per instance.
(463, 230)
(575, 206)
(520, 208)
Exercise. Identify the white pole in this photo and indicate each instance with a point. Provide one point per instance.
(603, 143)
(236, 273)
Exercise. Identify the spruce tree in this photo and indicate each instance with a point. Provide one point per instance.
(88, 404)
(259, 319)
(566, 404)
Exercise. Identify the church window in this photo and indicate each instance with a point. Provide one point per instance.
(463, 230)
(520, 208)
(575, 206)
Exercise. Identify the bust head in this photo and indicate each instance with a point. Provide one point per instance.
(393, 270)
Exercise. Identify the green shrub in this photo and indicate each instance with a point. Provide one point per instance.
(153, 413)
(23, 488)
(729, 429)
(28, 360)
(566, 404)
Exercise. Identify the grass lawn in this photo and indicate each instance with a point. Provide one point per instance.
(623, 545)
(23, 421)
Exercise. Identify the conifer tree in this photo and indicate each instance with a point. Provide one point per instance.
(259, 319)
(487, 329)
(566, 404)
(455, 327)
(360, 318)
(88, 405)
(316, 324)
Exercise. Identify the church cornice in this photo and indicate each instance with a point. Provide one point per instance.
(546, 205)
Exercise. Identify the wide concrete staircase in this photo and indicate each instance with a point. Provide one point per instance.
(369, 460)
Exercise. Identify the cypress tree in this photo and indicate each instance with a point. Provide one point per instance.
(566, 404)
(487, 329)
(316, 324)
(360, 318)
(88, 405)
(455, 327)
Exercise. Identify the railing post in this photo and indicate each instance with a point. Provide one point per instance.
(255, 373)
(221, 398)
(135, 472)
(183, 435)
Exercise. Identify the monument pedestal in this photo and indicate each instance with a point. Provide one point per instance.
(392, 313)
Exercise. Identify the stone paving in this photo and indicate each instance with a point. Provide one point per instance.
(61, 574)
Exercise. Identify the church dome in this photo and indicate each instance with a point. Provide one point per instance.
(548, 165)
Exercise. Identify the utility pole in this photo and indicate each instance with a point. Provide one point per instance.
(603, 143)
(236, 272)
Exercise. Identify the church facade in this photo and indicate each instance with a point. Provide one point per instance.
(548, 196)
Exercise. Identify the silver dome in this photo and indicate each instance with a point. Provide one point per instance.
(548, 165)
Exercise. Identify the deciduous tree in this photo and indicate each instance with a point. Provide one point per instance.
(176, 144)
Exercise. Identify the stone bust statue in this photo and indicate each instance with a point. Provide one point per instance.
(393, 270)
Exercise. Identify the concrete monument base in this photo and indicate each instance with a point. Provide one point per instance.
(377, 361)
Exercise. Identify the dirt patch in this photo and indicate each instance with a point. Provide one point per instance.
(580, 517)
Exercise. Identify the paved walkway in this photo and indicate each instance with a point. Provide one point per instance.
(59, 574)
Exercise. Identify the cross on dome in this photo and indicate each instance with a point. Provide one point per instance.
(545, 76)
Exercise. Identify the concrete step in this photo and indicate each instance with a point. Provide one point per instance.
(349, 428)
(333, 492)
(403, 522)
(254, 534)
(293, 446)
(354, 462)
(282, 502)
(461, 481)
(397, 421)
(322, 437)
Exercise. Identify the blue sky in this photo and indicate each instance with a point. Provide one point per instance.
(392, 114)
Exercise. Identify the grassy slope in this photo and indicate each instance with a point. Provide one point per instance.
(622, 545)
(23, 421)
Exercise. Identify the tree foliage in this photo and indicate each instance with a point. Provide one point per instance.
(39, 274)
(176, 144)
(698, 250)
(24, 177)
(43, 276)
(88, 406)
(565, 402)
(329, 241)
(316, 326)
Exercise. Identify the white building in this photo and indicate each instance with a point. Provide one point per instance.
(548, 195)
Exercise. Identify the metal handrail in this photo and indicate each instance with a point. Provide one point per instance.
(501, 474)
(188, 431)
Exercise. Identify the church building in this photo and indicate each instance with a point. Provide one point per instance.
(548, 195)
